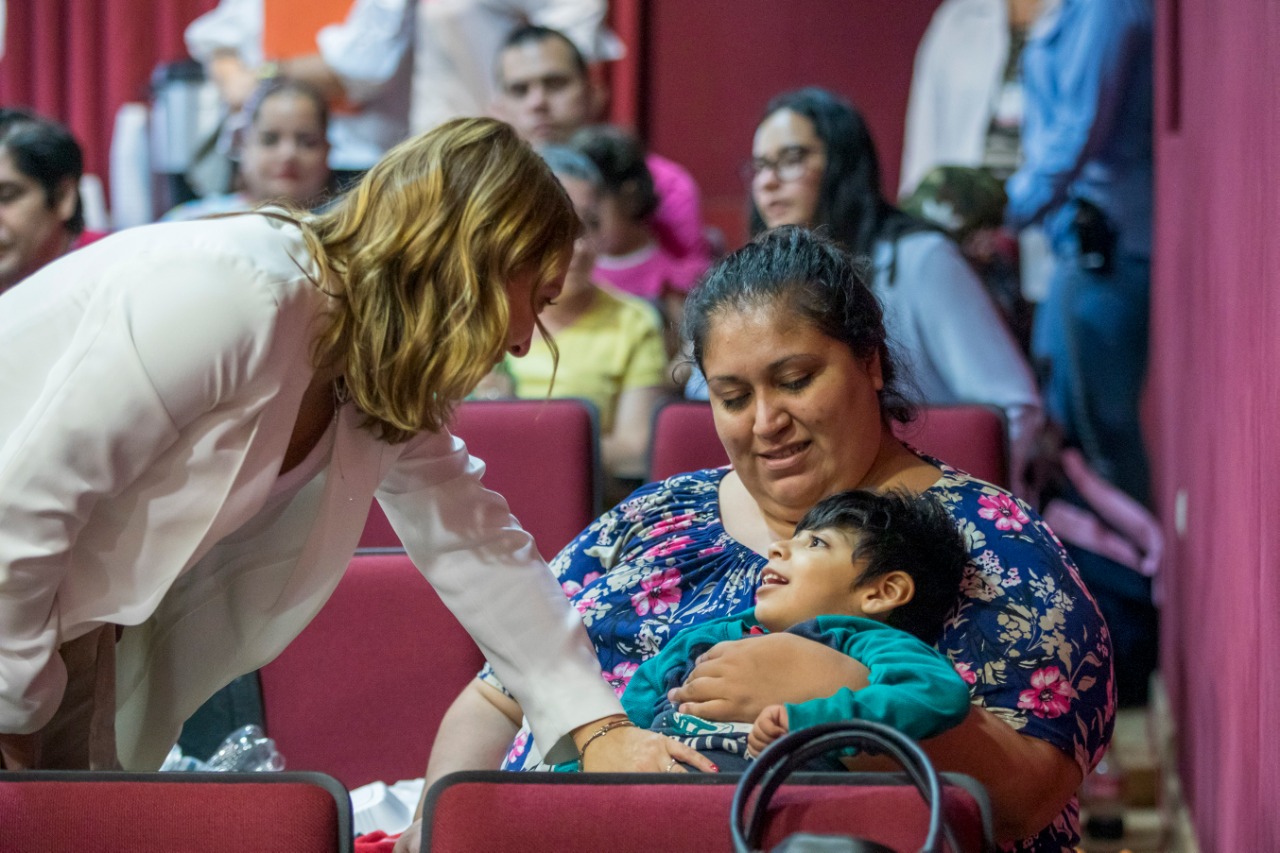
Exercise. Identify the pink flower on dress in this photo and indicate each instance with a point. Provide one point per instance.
(1050, 694)
(658, 593)
(670, 546)
(620, 677)
(588, 601)
(517, 748)
(670, 525)
(572, 588)
(1004, 511)
(962, 669)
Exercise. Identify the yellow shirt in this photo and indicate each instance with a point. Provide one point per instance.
(614, 347)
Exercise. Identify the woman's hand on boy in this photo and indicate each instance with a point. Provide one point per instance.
(635, 750)
(737, 679)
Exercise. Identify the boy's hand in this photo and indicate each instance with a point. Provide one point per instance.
(770, 725)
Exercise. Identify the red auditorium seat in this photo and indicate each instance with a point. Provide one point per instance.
(971, 437)
(622, 813)
(541, 455)
(73, 811)
(360, 693)
(684, 439)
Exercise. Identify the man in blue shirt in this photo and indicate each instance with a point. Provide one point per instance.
(1087, 174)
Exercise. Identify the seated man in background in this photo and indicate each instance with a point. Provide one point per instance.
(545, 92)
(41, 215)
(457, 40)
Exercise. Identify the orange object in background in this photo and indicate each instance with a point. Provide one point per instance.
(289, 27)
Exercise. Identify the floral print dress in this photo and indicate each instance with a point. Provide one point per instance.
(1026, 636)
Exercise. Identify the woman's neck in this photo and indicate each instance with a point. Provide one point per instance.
(896, 467)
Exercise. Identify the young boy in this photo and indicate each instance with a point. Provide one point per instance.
(873, 575)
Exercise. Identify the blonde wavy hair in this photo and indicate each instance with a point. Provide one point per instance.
(422, 249)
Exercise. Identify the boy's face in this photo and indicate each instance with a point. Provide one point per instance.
(811, 574)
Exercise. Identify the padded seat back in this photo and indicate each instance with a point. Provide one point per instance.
(541, 455)
(73, 811)
(360, 692)
(621, 813)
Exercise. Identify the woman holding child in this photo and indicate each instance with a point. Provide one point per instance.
(803, 389)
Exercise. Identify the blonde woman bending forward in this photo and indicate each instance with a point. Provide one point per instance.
(197, 415)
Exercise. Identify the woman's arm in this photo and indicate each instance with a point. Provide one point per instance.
(474, 734)
(1029, 780)
(479, 726)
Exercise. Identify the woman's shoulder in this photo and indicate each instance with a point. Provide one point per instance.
(684, 503)
(996, 523)
(692, 489)
(924, 249)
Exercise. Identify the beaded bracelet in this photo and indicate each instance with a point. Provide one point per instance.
(603, 730)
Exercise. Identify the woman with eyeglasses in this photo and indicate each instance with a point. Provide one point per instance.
(814, 164)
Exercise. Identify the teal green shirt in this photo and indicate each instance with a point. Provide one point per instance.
(912, 686)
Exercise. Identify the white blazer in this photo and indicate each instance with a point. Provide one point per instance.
(959, 69)
(150, 385)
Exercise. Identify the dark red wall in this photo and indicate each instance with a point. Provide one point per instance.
(711, 65)
(78, 61)
(1216, 356)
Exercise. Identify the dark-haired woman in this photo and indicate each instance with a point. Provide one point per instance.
(814, 164)
(803, 389)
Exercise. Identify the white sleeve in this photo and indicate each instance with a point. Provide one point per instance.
(487, 571)
(921, 123)
(147, 357)
(231, 25)
(366, 49)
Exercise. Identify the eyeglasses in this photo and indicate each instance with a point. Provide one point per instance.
(789, 165)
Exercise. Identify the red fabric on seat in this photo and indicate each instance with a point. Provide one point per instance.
(630, 812)
(69, 812)
(684, 439)
(360, 693)
(541, 455)
(971, 437)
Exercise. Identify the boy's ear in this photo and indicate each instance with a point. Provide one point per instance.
(886, 592)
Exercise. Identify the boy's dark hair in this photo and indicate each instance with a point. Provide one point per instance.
(620, 158)
(896, 531)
